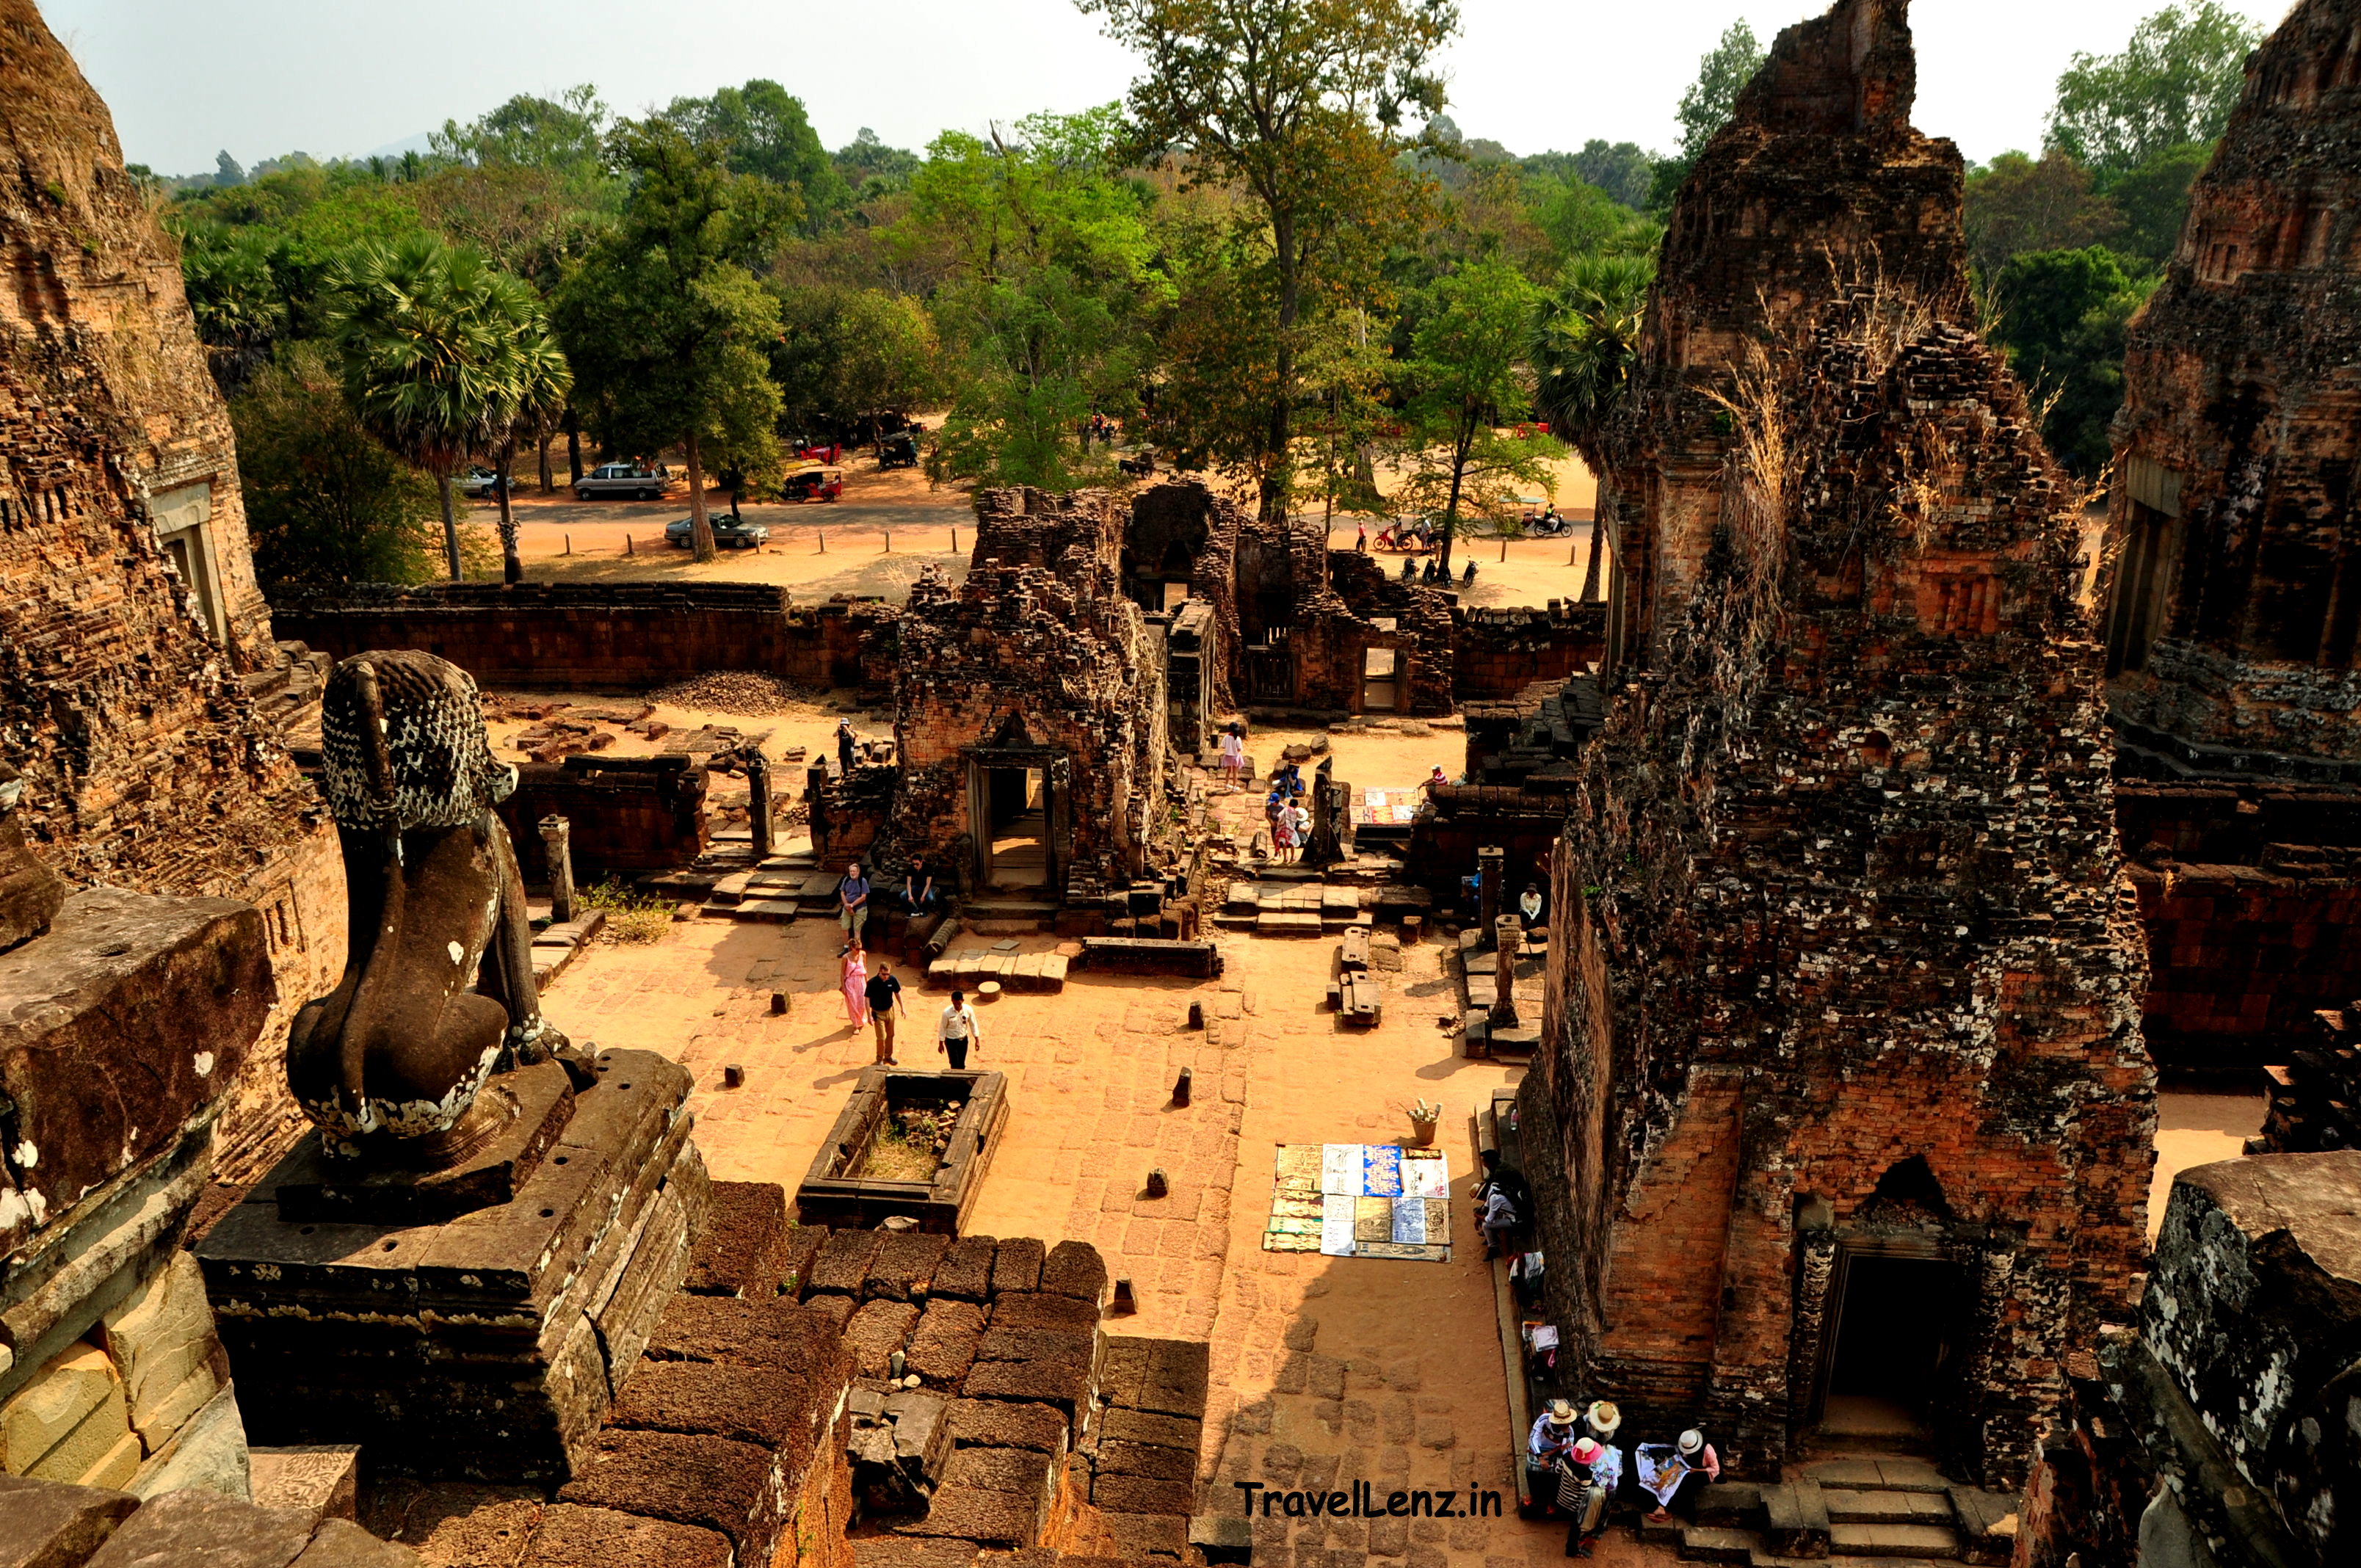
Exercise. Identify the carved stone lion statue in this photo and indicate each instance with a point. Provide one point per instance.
(396, 1055)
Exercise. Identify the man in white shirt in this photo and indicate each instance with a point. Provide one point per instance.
(957, 1030)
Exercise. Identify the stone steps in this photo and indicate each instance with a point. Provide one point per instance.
(1866, 1512)
(1933, 1542)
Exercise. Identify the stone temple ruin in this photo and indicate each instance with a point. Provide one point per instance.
(1884, 883)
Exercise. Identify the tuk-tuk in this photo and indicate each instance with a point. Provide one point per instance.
(899, 450)
(813, 481)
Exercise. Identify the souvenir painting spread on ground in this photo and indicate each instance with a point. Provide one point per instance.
(1361, 1200)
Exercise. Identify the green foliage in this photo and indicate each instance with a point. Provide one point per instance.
(2063, 315)
(631, 915)
(565, 136)
(1044, 309)
(1580, 219)
(870, 168)
(1622, 170)
(2175, 83)
(1706, 105)
(668, 333)
(1464, 380)
(1297, 106)
(1586, 336)
(2154, 198)
(327, 505)
(843, 353)
(440, 353)
(2016, 204)
(764, 132)
(235, 294)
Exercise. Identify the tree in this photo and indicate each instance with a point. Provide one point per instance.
(1298, 103)
(1585, 339)
(2175, 82)
(1044, 307)
(1580, 219)
(1706, 106)
(234, 293)
(2062, 318)
(1462, 385)
(1622, 171)
(846, 353)
(538, 382)
(762, 131)
(666, 330)
(2018, 205)
(565, 135)
(328, 506)
(2154, 200)
(870, 168)
(426, 337)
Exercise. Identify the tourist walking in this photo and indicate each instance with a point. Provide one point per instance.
(845, 741)
(957, 1030)
(854, 979)
(1234, 755)
(883, 994)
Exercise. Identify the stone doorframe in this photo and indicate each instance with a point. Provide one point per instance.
(1057, 806)
(1985, 1260)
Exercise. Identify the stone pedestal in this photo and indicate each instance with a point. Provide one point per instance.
(486, 1347)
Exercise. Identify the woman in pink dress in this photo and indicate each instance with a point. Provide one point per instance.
(856, 981)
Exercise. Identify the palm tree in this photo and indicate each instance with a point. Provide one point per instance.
(428, 354)
(1584, 343)
(539, 382)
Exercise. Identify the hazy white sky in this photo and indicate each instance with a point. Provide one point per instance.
(347, 76)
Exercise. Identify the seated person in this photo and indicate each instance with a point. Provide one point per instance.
(1528, 905)
(1554, 1435)
(918, 892)
(1674, 1472)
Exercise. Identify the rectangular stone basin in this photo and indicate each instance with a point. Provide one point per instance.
(872, 1168)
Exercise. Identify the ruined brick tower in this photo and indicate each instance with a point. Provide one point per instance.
(2233, 598)
(1842, 1068)
(130, 625)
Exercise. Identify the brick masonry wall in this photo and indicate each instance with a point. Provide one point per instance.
(1845, 848)
(620, 820)
(146, 765)
(1498, 653)
(2241, 384)
(604, 636)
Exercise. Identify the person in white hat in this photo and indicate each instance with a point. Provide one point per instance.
(1553, 1433)
(1588, 1476)
(1672, 1472)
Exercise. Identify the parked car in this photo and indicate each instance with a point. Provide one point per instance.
(728, 532)
(630, 480)
(482, 483)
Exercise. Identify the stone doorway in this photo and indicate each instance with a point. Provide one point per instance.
(1016, 823)
(1891, 1344)
(1380, 679)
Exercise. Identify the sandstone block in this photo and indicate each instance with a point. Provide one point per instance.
(999, 1470)
(777, 1334)
(996, 1423)
(801, 1246)
(321, 1480)
(743, 1248)
(1123, 1425)
(340, 1543)
(571, 1536)
(76, 1387)
(989, 1518)
(841, 1266)
(942, 1347)
(912, 1551)
(208, 1452)
(1060, 1383)
(1001, 1342)
(161, 1340)
(204, 1530)
(47, 1524)
(965, 1270)
(747, 1404)
(1016, 1266)
(903, 1268)
(1019, 1311)
(1075, 1270)
(1142, 1494)
(1117, 1457)
(709, 1482)
(876, 1331)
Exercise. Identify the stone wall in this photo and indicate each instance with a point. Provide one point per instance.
(627, 814)
(1842, 960)
(1498, 653)
(622, 637)
(130, 621)
(2234, 583)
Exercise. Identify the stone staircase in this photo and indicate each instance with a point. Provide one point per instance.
(1862, 1512)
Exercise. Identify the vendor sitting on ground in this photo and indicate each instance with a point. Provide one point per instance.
(1673, 1472)
(1528, 905)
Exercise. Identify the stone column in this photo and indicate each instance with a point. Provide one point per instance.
(758, 801)
(557, 849)
(1491, 868)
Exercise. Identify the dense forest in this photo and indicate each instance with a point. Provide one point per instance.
(1276, 259)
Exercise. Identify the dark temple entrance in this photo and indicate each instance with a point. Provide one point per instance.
(1017, 815)
(1894, 1335)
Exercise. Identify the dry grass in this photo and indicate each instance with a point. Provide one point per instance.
(632, 916)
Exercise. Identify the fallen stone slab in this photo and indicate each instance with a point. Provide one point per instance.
(573, 1536)
(709, 1482)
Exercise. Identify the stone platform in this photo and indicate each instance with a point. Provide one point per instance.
(486, 1347)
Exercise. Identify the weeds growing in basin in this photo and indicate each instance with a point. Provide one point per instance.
(632, 916)
(910, 1145)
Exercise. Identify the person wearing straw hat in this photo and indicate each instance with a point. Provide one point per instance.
(1672, 1473)
(1587, 1474)
(1554, 1432)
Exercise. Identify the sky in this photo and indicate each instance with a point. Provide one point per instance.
(346, 78)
